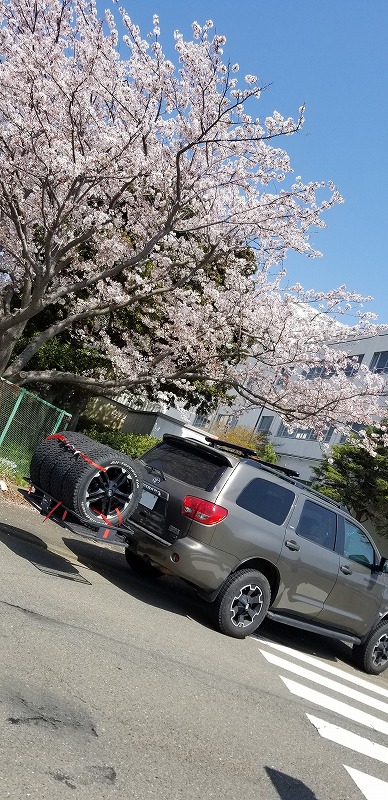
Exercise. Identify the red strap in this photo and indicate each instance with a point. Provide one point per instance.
(100, 514)
(75, 451)
(52, 510)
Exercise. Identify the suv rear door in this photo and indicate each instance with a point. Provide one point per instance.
(308, 564)
(258, 504)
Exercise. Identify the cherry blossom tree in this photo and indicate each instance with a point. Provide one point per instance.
(147, 209)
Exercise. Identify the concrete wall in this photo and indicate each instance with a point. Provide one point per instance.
(117, 416)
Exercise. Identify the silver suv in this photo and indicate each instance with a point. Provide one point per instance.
(256, 543)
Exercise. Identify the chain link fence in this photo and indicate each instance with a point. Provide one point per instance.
(25, 420)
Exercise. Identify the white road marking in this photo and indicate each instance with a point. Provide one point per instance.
(330, 703)
(350, 740)
(328, 683)
(315, 662)
(372, 788)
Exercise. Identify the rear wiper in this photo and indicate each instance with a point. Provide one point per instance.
(155, 470)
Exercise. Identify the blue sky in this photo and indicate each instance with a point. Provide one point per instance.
(331, 55)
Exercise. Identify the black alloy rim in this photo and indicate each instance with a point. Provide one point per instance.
(246, 606)
(109, 492)
(380, 651)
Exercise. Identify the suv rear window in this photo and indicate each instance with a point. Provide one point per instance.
(186, 464)
(267, 500)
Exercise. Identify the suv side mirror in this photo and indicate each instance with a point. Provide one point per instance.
(383, 566)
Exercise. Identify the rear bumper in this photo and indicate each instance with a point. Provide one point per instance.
(195, 562)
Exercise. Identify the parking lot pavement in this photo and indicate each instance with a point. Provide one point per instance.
(25, 522)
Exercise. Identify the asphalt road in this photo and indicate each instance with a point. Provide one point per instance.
(114, 687)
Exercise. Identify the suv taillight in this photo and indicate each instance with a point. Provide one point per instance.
(202, 510)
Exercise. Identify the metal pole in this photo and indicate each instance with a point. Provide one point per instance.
(59, 422)
(11, 416)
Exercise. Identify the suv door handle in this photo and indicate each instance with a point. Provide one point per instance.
(292, 545)
(346, 570)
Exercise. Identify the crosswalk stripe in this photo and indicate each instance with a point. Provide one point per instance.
(372, 788)
(350, 740)
(330, 703)
(328, 683)
(315, 662)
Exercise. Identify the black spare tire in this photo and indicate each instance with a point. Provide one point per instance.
(96, 482)
(39, 455)
(108, 492)
(71, 463)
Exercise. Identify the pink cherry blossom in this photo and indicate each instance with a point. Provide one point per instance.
(128, 183)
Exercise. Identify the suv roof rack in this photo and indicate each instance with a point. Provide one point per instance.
(276, 469)
(224, 445)
(325, 497)
(286, 473)
(248, 452)
(291, 473)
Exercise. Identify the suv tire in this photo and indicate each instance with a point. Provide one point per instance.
(70, 466)
(110, 492)
(242, 603)
(37, 460)
(372, 655)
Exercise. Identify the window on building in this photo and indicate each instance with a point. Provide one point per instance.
(353, 365)
(329, 433)
(324, 371)
(201, 421)
(297, 433)
(315, 372)
(379, 362)
(264, 424)
(319, 371)
(355, 428)
(306, 434)
(267, 500)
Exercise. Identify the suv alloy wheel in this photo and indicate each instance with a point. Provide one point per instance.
(242, 603)
(372, 655)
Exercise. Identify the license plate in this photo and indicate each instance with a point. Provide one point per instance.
(148, 500)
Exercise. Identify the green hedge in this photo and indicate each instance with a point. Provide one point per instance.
(132, 444)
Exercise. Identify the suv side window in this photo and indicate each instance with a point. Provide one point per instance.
(267, 500)
(318, 524)
(357, 546)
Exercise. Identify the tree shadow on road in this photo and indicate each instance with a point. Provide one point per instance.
(289, 788)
